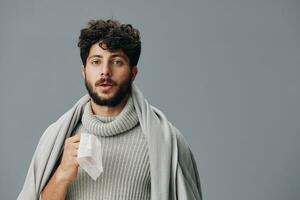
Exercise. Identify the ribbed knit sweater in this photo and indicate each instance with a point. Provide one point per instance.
(125, 158)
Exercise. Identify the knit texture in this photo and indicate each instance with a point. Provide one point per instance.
(126, 166)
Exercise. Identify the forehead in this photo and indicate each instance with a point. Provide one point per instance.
(97, 50)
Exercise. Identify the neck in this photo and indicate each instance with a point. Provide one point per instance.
(106, 110)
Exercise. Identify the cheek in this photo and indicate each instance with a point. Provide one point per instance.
(123, 76)
(91, 76)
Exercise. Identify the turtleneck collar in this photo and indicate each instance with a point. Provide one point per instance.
(109, 125)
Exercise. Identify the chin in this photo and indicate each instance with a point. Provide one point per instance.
(106, 96)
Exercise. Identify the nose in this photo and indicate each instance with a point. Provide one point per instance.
(105, 70)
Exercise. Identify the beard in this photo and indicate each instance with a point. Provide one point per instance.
(123, 89)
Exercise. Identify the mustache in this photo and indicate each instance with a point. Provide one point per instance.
(105, 80)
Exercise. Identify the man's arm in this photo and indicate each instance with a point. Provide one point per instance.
(56, 188)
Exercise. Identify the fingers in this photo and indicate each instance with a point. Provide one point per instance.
(75, 152)
(73, 149)
(76, 145)
(72, 145)
(75, 138)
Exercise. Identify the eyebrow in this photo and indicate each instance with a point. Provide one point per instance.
(100, 56)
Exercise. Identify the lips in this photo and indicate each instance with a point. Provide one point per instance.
(105, 84)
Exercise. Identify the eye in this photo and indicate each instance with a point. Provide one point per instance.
(95, 62)
(118, 62)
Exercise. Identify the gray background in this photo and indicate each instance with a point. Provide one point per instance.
(225, 72)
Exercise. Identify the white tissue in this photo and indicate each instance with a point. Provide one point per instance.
(89, 155)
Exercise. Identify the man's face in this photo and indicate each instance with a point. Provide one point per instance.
(108, 76)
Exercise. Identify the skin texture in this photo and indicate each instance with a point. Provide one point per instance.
(101, 66)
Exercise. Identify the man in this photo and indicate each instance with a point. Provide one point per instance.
(144, 156)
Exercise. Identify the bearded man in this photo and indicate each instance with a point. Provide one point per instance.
(112, 144)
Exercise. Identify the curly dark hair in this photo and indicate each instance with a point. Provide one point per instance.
(114, 35)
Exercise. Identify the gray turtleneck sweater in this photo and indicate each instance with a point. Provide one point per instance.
(126, 167)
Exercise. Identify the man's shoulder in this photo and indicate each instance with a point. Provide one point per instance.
(184, 151)
(174, 130)
(179, 136)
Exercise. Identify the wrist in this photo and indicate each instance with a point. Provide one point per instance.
(60, 176)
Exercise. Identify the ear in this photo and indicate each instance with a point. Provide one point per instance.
(82, 70)
(134, 72)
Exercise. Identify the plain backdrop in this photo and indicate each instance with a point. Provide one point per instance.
(224, 72)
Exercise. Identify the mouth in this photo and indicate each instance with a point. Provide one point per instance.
(105, 86)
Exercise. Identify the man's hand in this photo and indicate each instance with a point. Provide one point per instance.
(69, 166)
